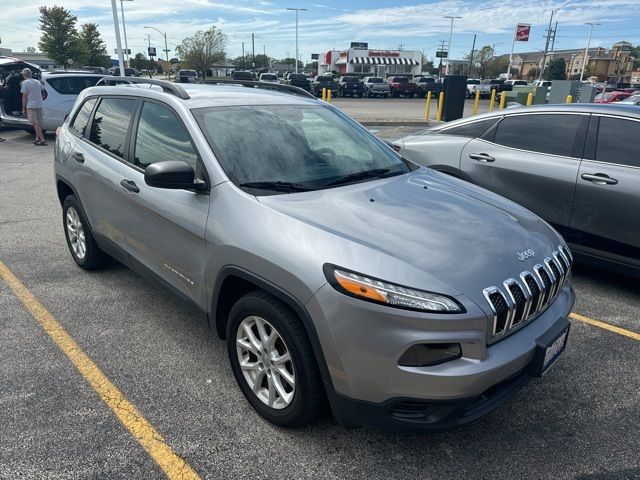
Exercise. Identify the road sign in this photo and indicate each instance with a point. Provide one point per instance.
(315, 56)
(441, 54)
(152, 51)
(522, 32)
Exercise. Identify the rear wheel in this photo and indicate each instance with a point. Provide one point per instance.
(273, 361)
(83, 247)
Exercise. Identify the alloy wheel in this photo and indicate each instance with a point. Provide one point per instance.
(266, 363)
(75, 232)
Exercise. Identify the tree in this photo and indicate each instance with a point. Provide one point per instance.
(635, 53)
(203, 50)
(557, 69)
(97, 55)
(59, 36)
(496, 66)
(479, 61)
(30, 50)
(533, 73)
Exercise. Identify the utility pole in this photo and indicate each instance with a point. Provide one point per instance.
(114, 9)
(546, 45)
(148, 39)
(452, 17)
(400, 46)
(440, 64)
(553, 38)
(253, 51)
(473, 49)
(586, 50)
(124, 29)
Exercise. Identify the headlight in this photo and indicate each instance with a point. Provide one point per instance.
(378, 291)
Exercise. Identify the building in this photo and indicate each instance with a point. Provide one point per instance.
(360, 59)
(39, 59)
(612, 65)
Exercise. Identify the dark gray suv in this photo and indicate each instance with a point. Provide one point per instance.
(333, 267)
(577, 166)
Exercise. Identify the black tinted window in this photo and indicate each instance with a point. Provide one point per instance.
(552, 133)
(110, 124)
(617, 141)
(471, 130)
(71, 85)
(79, 123)
(162, 137)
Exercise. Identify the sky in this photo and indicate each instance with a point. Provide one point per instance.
(329, 24)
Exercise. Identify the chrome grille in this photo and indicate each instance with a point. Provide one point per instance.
(519, 301)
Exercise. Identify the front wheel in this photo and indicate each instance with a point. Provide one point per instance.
(272, 360)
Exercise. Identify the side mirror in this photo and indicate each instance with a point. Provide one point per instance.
(171, 174)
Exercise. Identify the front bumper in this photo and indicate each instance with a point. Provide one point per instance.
(362, 343)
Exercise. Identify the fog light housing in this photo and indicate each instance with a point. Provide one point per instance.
(429, 354)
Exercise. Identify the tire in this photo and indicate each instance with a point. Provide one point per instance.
(307, 394)
(91, 257)
(386, 95)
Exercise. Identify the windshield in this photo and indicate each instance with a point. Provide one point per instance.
(350, 79)
(375, 80)
(401, 80)
(473, 82)
(324, 79)
(632, 99)
(302, 146)
(268, 76)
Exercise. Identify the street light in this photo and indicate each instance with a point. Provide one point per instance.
(124, 29)
(546, 45)
(166, 49)
(297, 52)
(586, 50)
(446, 71)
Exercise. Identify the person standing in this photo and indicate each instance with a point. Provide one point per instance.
(33, 104)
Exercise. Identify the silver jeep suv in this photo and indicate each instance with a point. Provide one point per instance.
(334, 268)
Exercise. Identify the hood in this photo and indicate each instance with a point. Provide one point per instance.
(456, 232)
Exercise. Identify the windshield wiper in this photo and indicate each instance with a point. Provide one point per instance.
(278, 186)
(352, 177)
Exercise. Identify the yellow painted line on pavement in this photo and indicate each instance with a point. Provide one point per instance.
(148, 437)
(605, 326)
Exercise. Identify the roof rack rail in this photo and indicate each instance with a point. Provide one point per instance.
(265, 85)
(166, 86)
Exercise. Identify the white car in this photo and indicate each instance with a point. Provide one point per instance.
(269, 78)
(62, 89)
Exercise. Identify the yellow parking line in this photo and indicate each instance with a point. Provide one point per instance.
(148, 437)
(605, 326)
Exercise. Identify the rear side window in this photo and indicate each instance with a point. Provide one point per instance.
(553, 133)
(617, 141)
(71, 85)
(80, 122)
(110, 124)
(161, 137)
(471, 130)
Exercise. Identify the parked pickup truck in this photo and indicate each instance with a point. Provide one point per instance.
(323, 81)
(299, 80)
(350, 86)
(499, 86)
(375, 86)
(401, 86)
(428, 84)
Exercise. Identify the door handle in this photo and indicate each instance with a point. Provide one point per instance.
(78, 157)
(599, 178)
(482, 157)
(130, 185)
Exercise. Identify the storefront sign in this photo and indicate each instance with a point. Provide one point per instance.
(360, 45)
(522, 32)
(383, 53)
(327, 58)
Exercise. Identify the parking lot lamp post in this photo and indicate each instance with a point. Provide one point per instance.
(452, 17)
(586, 50)
(114, 9)
(124, 30)
(297, 52)
(166, 48)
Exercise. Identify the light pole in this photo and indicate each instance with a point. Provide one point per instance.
(114, 10)
(124, 29)
(166, 49)
(446, 71)
(546, 45)
(586, 50)
(297, 52)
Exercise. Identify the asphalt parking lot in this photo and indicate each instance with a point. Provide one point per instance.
(578, 422)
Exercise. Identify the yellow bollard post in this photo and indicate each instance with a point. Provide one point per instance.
(503, 99)
(476, 103)
(440, 105)
(427, 107)
(324, 93)
(329, 95)
(530, 99)
(569, 99)
(492, 102)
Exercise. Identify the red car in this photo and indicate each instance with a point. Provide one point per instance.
(611, 97)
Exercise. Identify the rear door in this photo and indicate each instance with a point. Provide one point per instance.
(166, 232)
(532, 159)
(606, 210)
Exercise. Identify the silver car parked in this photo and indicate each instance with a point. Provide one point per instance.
(577, 166)
(333, 267)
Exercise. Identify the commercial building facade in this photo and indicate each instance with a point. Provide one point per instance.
(361, 60)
